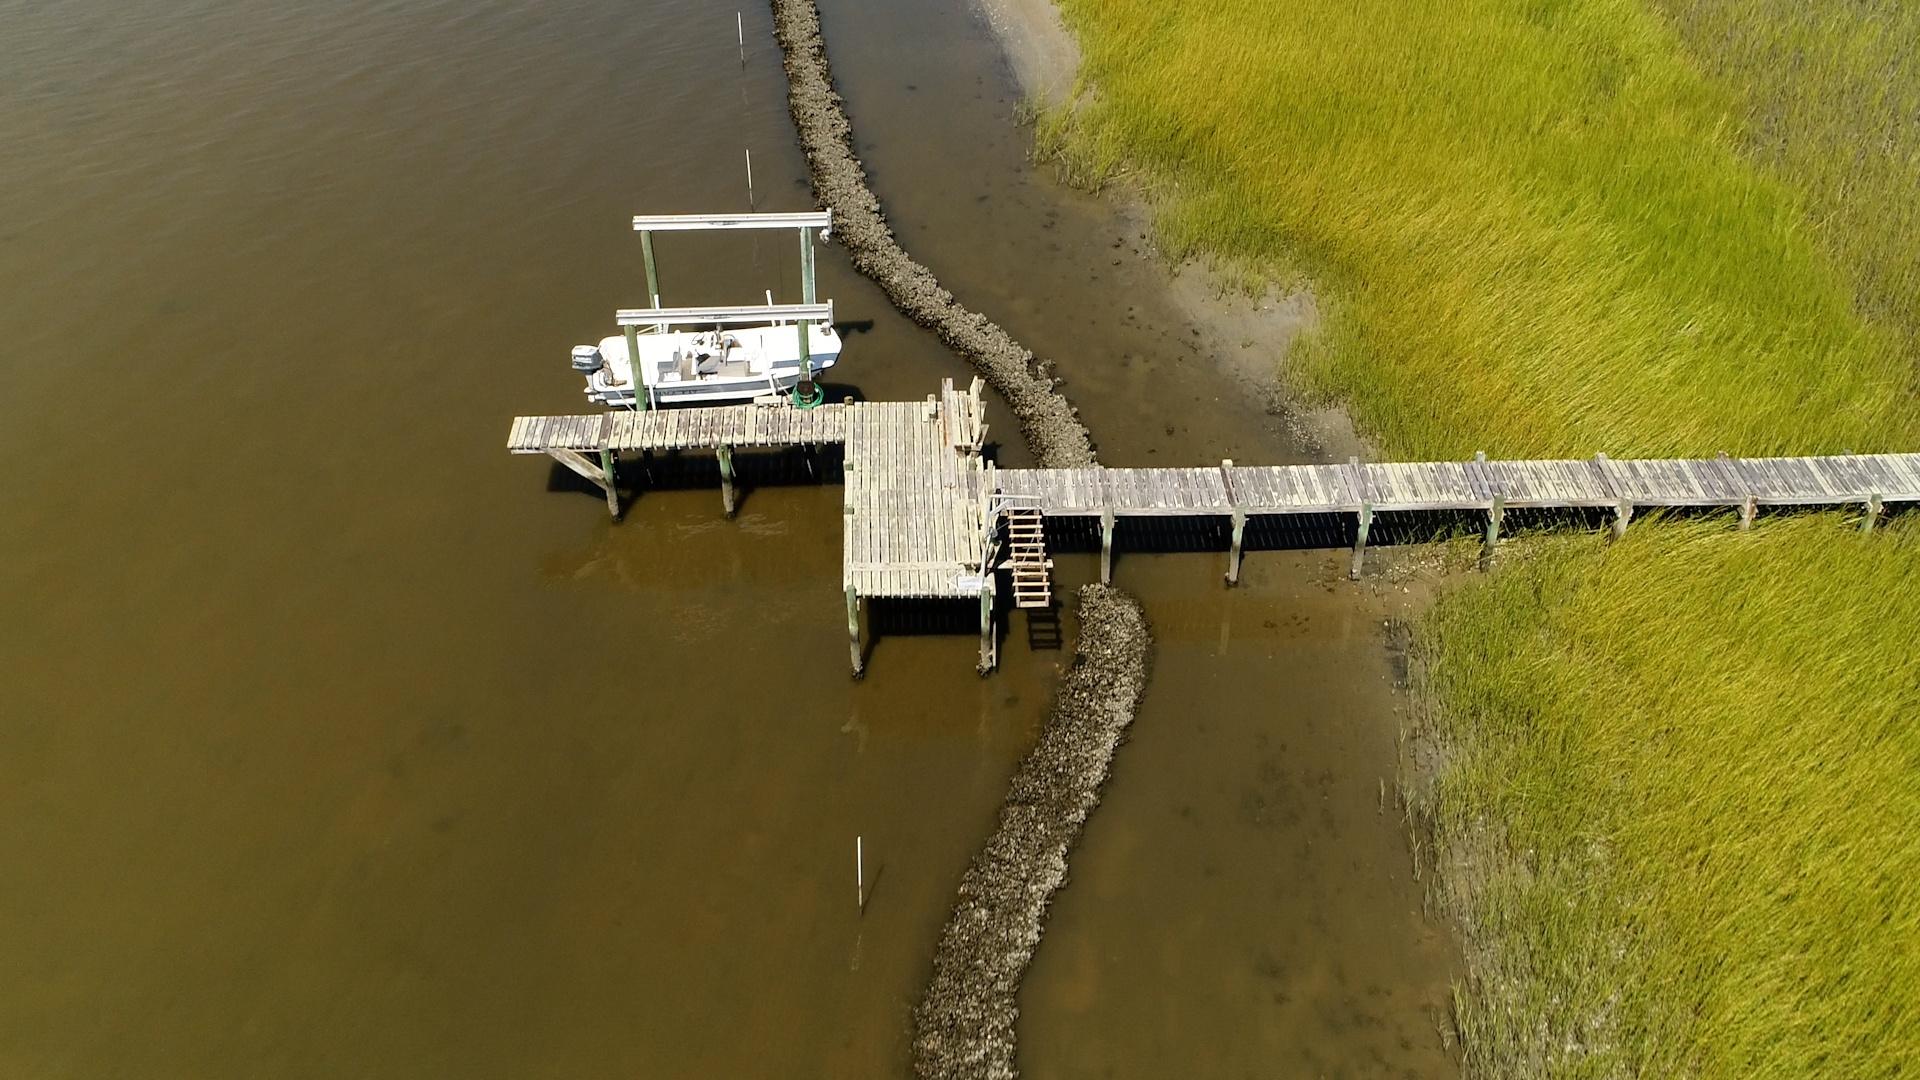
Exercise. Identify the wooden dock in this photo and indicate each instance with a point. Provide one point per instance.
(1238, 492)
(924, 513)
(916, 522)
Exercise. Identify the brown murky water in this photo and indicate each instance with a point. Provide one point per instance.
(334, 741)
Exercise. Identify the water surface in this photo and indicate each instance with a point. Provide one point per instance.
(339, 742)
(335, 741)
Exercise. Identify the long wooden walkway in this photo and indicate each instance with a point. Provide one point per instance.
(680, 429)
(1470, 485)
(1238, 492)
(924, 513)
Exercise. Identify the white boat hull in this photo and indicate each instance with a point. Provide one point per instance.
(710, 368)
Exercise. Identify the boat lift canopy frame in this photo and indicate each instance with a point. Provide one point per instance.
(725, 316)
(806, 222)
(803, 314)
(812, 219)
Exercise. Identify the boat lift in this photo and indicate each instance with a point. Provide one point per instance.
(803, 314)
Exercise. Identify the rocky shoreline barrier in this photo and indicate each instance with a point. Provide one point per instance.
(964, 1024)
(1048, 420)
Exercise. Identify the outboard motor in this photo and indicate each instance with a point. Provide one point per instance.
(587, 359)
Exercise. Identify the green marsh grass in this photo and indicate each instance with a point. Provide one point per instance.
(1829, 98)
(1538, 214)
(1672, 781)
(1686, 777)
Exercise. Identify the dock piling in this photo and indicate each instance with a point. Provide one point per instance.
(1239, 518)
(853, 629)
(632, 333)
(989, 645)
(1622, 516)
(1873, 514)
(606, 473)
(1233, 553)
(1106, 547)
(653, 274)
(1360, 540)
(1496, 514)
(725, 456)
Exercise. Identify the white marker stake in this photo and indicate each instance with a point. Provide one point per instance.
(860, 872)
(740, 30)
(749, 179)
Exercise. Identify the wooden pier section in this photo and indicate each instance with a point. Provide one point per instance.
(916, 522)
(924, 513)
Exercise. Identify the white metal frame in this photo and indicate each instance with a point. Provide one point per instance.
(726, 315)
(816, 219)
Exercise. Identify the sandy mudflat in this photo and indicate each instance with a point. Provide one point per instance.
(1045, 58)
(1044, 55)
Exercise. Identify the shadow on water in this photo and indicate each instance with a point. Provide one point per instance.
(1045, 631)
(754, 468)
(906, 619)
(1172, 534)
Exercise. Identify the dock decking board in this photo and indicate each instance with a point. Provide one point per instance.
(681, 429)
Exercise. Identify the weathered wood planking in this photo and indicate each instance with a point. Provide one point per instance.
(1428, 485)
(1816, 480)
(1705, 482)
(1166, 492)
(1296, 489)
(681, 429)
(1467, 485)
(1546, 483)
(913, 527)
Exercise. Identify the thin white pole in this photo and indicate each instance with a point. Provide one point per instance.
(860, 871)
(749, 179)
(740, 31)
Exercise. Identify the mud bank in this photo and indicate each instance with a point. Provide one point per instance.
(1049, 422)
(965, 1024)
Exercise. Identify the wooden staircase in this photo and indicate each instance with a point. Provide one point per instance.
(1027, 558)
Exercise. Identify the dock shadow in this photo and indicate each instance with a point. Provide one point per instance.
(895, 617)
(1045, 632)
(637, 474)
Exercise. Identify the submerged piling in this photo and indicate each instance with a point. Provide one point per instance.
(964, 1025)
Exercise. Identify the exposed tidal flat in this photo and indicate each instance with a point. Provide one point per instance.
(1668, 785)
